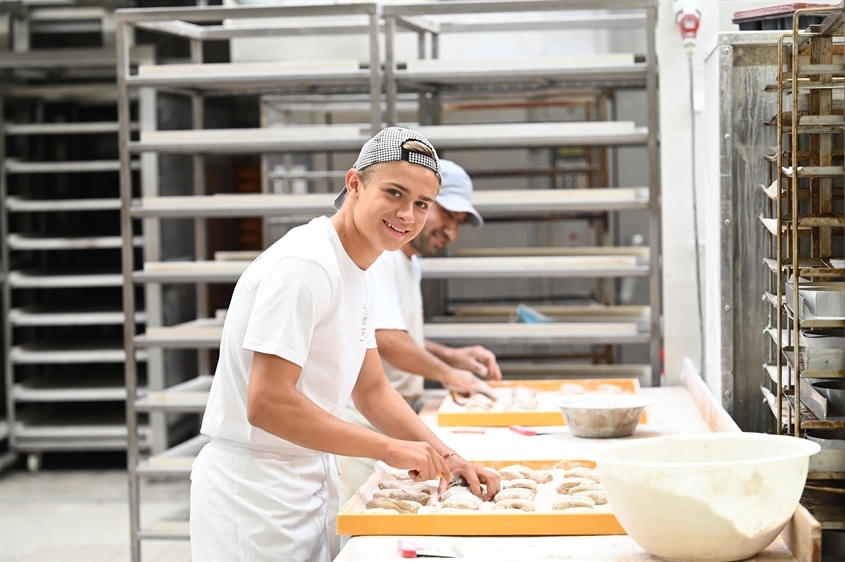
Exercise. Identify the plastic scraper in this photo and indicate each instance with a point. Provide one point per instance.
(408, 549)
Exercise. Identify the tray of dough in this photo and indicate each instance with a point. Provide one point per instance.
(538, 498)
(525, 402)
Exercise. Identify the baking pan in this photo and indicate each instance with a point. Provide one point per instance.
(452, 414)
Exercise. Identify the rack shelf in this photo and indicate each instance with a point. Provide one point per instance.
(492, 204)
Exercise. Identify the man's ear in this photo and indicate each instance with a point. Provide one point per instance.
(353, 181)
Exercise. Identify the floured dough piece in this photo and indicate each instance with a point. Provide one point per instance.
(515, 472)
(455, 490)
(597, 496)
(524, 505)
(461, 502)
(522, 406)
(571, 388)
(582, 472)
(520, 483)
(408, 495)
(465, 497)
(569, 483)
(380, 510)
(404, 485)
(508, 510)
(427, 509)
(541, 476)
(402, 506)
(453, 510)
(584, 488)
(573, 501)
(522, 391)
(514, 494)
(609, 389)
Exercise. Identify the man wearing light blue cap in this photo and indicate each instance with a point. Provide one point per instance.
(406, 355)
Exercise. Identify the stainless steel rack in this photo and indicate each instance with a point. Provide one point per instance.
(805, 220)
(44, 91)
(361, 81)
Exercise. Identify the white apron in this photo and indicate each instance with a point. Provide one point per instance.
(250, 505)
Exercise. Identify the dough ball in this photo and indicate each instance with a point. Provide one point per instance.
(523, 505)
(541, 476)
(571, 388)
(597, 496)
(380, 510)
(609, 389)
(401, 506)
(427, 509)
(514, 494)
(573, 501)
(584, 488)
(455, 490)
(582, 472)
(569, 483)
(461, 502)
(515, 469)
(520, 483)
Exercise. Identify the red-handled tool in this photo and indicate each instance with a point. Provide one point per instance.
(407, 549)
(527, 431)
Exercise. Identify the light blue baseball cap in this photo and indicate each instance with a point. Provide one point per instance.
(456, 192)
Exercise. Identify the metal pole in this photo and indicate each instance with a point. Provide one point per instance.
(123, 42)
(655, 289)
(375, 73)
(200, 226)
(9, 377)
(389, 67)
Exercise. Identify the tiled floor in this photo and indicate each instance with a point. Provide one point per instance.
(81, 515)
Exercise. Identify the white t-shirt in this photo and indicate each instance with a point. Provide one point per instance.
(396, 278)
(305, 300)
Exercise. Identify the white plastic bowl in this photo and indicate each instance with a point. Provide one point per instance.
(600, 415)
(715, 497)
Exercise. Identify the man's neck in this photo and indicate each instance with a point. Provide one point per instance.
(408, 249)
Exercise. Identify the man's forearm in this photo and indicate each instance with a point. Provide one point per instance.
(390, 414)
(440, 351)
(401, 351)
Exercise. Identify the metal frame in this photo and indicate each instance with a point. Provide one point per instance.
(92, 63)
(818, 80)
(182, 23)
(413, 17)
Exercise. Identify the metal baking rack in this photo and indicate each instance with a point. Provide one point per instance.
(364, 82)
(62, 393)
(805, 219)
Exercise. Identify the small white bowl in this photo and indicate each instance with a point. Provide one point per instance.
(598, 415)
(716, 497)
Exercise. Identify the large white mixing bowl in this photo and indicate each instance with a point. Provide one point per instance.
(715, 497)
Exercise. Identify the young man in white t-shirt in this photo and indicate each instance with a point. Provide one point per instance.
(297, 343)
(408, 357)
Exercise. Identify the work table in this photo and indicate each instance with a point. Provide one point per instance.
(677, 410)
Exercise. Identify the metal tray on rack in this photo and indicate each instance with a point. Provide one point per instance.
(813, 359)
(826, 403)
(818, 300)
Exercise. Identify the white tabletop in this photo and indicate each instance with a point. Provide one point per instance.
(674, 412)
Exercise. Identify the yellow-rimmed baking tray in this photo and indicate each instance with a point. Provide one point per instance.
(451, 414)
(350, 520)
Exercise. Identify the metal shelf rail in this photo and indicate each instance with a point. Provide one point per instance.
(805, 219)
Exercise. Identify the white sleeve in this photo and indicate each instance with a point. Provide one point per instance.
(290, 299)
(388, 309)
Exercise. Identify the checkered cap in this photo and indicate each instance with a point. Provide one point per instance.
(386, 146)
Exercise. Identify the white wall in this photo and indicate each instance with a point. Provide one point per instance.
(679, 298)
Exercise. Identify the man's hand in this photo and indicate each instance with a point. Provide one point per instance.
(466, 384)
(475, 475)
(477, 360)
(421, 460)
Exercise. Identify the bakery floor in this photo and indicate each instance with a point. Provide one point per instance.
(58, 515)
